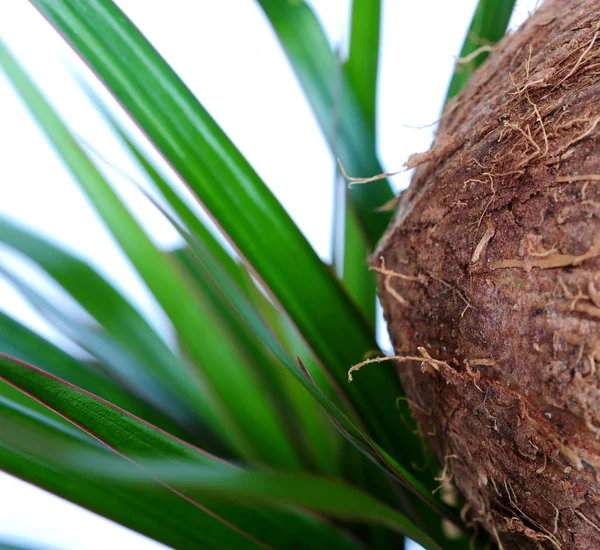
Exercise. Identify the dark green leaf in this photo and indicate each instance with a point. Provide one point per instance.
(29, 445)
(21, 343)
(208, 476)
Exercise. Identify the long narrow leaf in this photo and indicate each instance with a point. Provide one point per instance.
(150, 447)
(360, 282)
(362, 68)
(348, 130)
(237, 199)
(4, 546)
(21, 343)
(488, 26)
(247, 418)
(309, 426)
(210, 269)
(190, 219)
(328, 496)
(305, 418)
(138, 356)
(354, 434)
(26, 440)
(363, 61)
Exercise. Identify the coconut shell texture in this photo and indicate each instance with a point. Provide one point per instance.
(495, 254)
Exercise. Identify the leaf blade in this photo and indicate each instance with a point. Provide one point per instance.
(157, 513)
(488, 26)
(249, 423)
(248, 212)
(20, 342)
(363, 61)
(136, 440)
(336, 107)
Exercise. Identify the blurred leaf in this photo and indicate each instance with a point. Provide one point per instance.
(360, 282)
(304, 417)
(4, 546)
(363, 60)
(30, 449)
(240, 203)
(246, 419)
(329, 496)
(355, 435)
(156, 451)
(136, 354)
(21, 343)
(488, 26)
(361, 67)
(167, 459)
(347, 128)
(211, 270)
(188, 217)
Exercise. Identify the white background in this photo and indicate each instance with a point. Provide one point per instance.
(227, 54)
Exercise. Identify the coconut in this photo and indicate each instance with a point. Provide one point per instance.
(490, 271)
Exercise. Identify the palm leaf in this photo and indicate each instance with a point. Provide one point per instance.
(237, 199)
(150, 448)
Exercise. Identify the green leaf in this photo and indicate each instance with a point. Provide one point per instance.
(237, 199)
(361, 68)
(21, 343)
(212, 270)
(347, 128)
(360, 282)
(188, 217)
(129, 346)
(488, 26)
(304, 417)
(363, 61)
(355, 435)
(308, 426)
(150, 448)
(217, 280)
(26, 444)
(332, 497)
(246, 417)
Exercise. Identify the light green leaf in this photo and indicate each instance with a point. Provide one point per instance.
(305, 419)
(126, 344)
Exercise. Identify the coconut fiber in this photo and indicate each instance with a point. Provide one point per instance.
(495, 254)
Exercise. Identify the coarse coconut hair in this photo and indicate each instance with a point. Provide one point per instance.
(492, 267)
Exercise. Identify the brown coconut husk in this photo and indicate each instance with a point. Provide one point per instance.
(492, 268)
